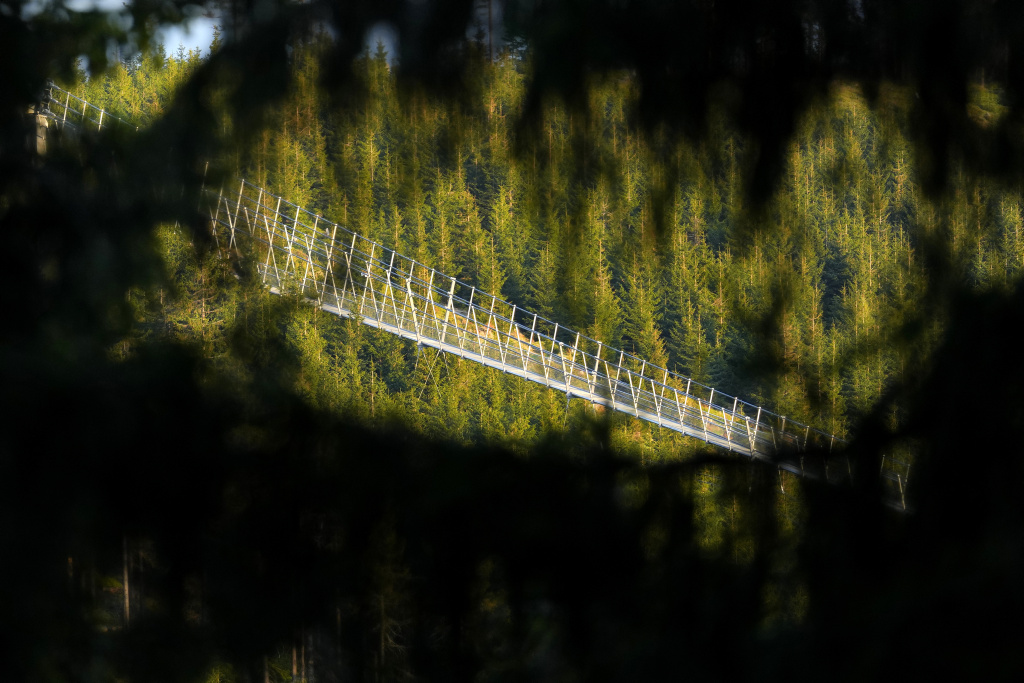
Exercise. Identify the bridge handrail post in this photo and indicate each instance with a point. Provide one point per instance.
(233, 242)
(728, 418)
(470, 314)
(509, 335)
(640, 384)
(550, 363)
(661, 402)
(389, 292)
(611, 387)
(289, 240)
(657, 403)
(632, 396)
(533, 329)
(565, 374)
(700, 411)
(215, 217)
(727, 427)
(704, 420)
(492, 324)
(368, 286)
(410, 297)
(592, 384)
(329, 270)
(377, 309)
(271, 256)
(348, 254)
(757, 426)
(572, 363)
(480, 338)
(618, 369)
(449, 308)
(430, 300)
(679, 410)
(311, 240)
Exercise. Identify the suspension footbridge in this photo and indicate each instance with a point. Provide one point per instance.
(305, 254)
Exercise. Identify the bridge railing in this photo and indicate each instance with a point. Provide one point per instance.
(301, 252)
(66, 109)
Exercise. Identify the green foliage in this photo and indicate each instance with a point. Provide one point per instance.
(327, 489)
(797, 310)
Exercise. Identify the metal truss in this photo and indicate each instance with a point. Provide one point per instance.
(301, 253)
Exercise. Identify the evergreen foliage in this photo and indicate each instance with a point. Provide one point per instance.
(319, 498)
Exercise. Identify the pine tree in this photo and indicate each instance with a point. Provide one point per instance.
(641, 310)
(510, 247)
(544, 295)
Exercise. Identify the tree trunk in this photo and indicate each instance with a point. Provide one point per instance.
(127, 602)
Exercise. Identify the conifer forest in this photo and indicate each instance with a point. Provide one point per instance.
(817, 207)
